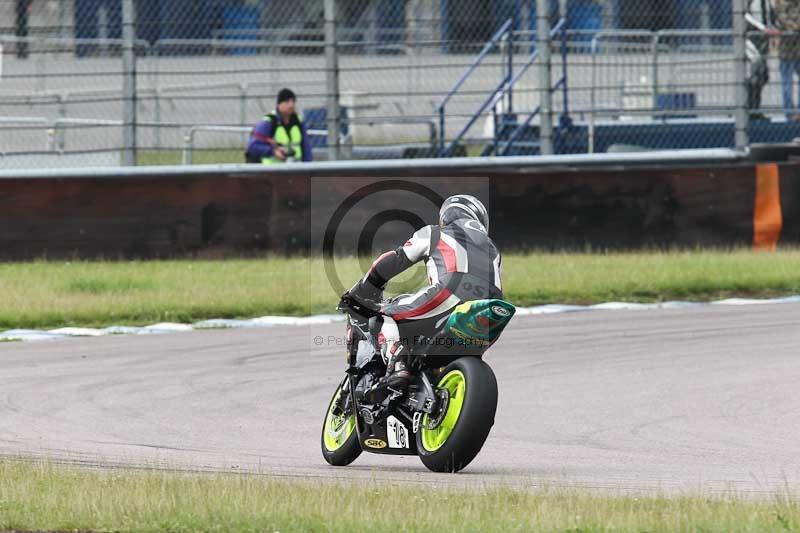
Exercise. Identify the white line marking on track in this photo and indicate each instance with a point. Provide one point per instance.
(270, 321)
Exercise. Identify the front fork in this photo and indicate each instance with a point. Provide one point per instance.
(352, 373)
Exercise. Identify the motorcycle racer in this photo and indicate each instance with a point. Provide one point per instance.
(463, 264)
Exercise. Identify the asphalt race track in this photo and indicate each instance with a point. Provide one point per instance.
(701, 398)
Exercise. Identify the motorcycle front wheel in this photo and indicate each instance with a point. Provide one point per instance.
(339, 439)
(450, 440)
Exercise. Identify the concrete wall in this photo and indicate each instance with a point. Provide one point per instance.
(557, 203)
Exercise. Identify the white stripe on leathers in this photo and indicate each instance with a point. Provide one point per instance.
(446, 305)
(462, 258)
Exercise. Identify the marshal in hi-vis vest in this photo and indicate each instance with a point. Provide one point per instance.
(290, 137)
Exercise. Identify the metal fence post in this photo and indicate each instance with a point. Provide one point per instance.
(128, 85)
(510, 75)
(544, 78)
(742, 114)
(563, 13)
(592, 97)
(332, 80)
(655, 43)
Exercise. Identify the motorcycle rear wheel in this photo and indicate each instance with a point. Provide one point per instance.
(339, 439)
(449, 442)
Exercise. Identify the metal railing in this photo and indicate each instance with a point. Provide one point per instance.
(650, 42)
(505, 88)
(560, 28)
(503, 32)
(509, 143)
(54, 129)
(58, 142)
(241, 98)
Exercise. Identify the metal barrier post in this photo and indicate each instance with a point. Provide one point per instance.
(62, 115)
(496, 126)
(740, 73)
(564, 76)
(188, 147)
(544, 78)
(592, 97)
(332, 80)
(157, 114)
(510, 58)
(441, 131)
(128, 85)
(243, 104)
(654, 45)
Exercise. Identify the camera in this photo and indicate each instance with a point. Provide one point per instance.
(289, 151)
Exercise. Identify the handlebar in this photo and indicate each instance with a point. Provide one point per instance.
(366, 309)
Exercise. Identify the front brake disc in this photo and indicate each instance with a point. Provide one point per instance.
(433, 420)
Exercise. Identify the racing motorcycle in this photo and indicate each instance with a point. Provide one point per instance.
(444, 416)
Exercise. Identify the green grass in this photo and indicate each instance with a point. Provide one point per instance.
(81, 293)
(199, 157)
(44, 497)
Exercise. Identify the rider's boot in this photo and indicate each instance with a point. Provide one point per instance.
(397, 374)
(397, 377)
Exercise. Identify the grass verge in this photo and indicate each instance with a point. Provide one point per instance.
(43, 294)
(199, 157)
(44, 497)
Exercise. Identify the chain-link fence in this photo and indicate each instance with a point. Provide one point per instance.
(415, 77)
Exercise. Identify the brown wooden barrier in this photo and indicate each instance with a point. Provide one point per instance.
(208, 212)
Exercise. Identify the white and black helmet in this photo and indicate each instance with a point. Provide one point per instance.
(463, 206)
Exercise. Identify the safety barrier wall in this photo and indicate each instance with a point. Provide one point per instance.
(677, 199)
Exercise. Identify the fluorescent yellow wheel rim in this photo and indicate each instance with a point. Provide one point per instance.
(338, 428)
(456, 385)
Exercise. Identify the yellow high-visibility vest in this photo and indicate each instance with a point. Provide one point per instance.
(290, 136)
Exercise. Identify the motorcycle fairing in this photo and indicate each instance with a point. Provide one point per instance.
(393, 435)
(479, 323)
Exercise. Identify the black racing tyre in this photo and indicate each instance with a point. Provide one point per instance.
(339, 439)
(456, 438)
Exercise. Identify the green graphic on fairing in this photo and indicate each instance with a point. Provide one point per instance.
(479, 322)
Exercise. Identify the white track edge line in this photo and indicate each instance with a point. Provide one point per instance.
(28, 335)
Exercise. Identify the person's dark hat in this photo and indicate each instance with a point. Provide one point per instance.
(286, 94)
